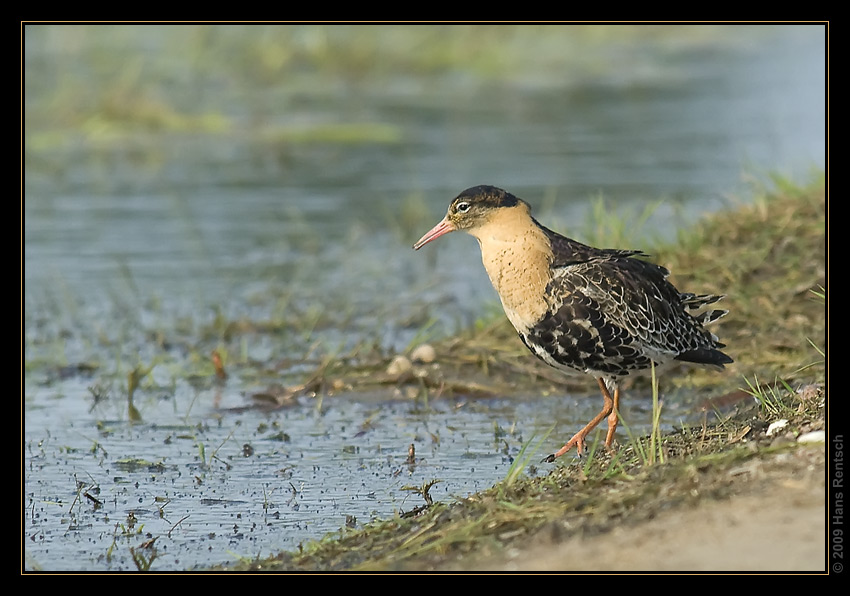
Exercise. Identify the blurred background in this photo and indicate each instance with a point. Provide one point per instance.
(205, 169)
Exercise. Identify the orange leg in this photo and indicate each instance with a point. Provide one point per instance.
(613, 419)
(608, 410)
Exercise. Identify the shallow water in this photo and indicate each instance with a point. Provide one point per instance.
(218, 486)
(143, 246)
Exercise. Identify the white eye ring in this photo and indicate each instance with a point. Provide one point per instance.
(463, 207)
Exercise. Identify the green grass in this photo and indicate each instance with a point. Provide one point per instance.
(529, 451)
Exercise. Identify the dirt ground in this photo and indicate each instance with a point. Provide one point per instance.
(774, 521)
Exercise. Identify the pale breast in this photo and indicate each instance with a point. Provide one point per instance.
(517, 257)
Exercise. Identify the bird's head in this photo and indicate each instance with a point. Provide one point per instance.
(470, 210)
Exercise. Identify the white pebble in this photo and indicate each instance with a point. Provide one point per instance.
(776, 427)
(424, 353)
(816, 436)
(399, 365)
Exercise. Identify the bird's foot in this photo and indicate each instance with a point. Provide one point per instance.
(577, 441)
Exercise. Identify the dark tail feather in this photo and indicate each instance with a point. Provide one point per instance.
(692, 301)
(710, 316)
(695, 303)
(706, 356)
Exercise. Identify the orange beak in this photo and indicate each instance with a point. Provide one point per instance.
(444, 227)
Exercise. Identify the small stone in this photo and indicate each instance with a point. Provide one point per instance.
(399, 366)
(816, 436)
(424, 353)
(775, 427)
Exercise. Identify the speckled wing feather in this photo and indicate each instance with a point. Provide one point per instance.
(611, 313)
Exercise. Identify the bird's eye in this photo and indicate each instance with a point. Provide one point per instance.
(462, 207)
